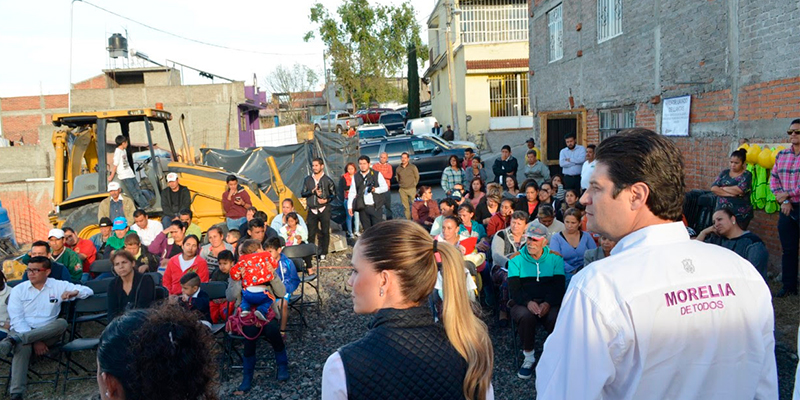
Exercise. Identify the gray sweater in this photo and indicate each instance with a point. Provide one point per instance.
(503, 246)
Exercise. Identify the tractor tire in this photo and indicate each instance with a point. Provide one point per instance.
(339, 129)
(317, 128)
(83, 217)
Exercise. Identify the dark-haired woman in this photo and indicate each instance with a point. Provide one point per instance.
(160, 353)
(733, 187)
(130, 289)
(394, 273)
(424, 210)
(453, 175)
(477, 190)
(187, 261)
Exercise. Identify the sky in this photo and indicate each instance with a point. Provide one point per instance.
(35, 38)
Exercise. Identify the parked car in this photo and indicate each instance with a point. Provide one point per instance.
(371, 131)
(420, 125)
(460, 144)
(339, 122)
(428, 155)
(394, 122)
(372, 115)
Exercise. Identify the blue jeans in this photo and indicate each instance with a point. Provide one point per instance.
(235, 223)
(789, 233)
(132, 189)
(261, 301)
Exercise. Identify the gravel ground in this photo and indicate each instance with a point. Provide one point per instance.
(335, 324)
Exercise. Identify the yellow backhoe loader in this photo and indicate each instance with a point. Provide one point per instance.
(83, 155)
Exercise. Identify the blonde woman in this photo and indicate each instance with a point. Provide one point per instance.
(394, 272)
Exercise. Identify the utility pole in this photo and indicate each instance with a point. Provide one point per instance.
(450, 6)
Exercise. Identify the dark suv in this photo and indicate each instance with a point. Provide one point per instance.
(429, 156)
(394, 123)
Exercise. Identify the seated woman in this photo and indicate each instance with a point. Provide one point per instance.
(394, 272)
(424, 210)
(447, 207)
(547, 217)
(470, 227)
(292, 232)
(601, 252)
(143, 261)
(130, 289)
(536, 283)
(512, 191)
(468, 250)
(188, 261)
(557, 184)
(570, 201)
(216, 244)
(530, 202)
(168, 243)
(726, 232)
(572, 243)
(505, 246)
(168, 337)
(486, 208)
(476, 191)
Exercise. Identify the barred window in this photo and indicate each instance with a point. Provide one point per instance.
(508, 95)
(614, 120)
(556, 28)
(609, 19)
(492, 21)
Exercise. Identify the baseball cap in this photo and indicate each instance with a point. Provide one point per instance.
(113, 186)
(105, 221)
(120, 223)
(530, 140)
(535, 231)
(56, 233)
(172, 177)
(456, 194)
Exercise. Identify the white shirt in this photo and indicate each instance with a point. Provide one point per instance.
(30, 308)
(334, 381)
(124, 170)
(148, 234)
(368, 200)
(576, 158)
(664, 317)
(277, 222)
(586, 173)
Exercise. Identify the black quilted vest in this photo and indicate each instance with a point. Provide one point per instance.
(372, 180)
(405, 355)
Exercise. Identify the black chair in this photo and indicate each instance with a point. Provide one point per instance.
(215, 291)
(157, 277)
(90, 309)
(303, 255)
(99, 286)
(101, 266)
(161, 293)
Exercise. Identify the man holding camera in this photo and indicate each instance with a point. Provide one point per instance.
(319, 190)
(366, 183)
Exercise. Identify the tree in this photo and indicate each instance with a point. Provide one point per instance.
(413, 83)
(366, 44)
(286, 82)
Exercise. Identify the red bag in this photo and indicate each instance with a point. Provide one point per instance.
(236, 322)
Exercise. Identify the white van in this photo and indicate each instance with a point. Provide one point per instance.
(420, 125)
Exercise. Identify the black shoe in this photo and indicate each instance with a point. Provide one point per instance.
(16, 396)
(783, 293)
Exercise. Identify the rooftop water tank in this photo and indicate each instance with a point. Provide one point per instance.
(117, 46)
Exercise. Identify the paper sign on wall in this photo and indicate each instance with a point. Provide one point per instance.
(273, 137)
(675, 116)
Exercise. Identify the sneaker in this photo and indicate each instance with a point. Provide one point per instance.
(322, 257)
(245, 313)
(526, 370)
(260, 315)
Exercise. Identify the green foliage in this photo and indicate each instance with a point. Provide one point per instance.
(367, 44)
(413, 83)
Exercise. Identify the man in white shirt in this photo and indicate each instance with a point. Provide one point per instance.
(122, 169)
(287, 206)
(588, 167)
(663, 317)
(146, 229)
(33, 308)
(366, 183)
(571, 159)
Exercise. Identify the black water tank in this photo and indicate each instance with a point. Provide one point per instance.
(117, 46)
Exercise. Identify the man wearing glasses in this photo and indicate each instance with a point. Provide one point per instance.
(33, 309)
(785, 184)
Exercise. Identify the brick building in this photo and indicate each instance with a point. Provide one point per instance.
(598, 66)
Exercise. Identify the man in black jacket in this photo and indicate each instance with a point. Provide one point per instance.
(366, 183)
(319, 190)
(174, 199)
(504, 166)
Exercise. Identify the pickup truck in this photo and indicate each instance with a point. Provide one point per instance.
(336, 121)
(372, 115)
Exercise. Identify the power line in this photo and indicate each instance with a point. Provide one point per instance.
(194, 40)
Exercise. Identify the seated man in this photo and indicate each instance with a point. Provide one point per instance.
(547, 217)
(145, 261)
(33, 309)
(259, 231)
(82, 247)
(41, 248)
(536, 282)
(601, 252)
(99, 239)
(61, 254)
(186, 216)
(117, 240)
(147, 229)
(506, 245)
(726, 233)
(287, 206)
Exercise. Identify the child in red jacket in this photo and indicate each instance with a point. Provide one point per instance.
(256, 270)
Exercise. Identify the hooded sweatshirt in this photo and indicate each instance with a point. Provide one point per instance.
(539, 279)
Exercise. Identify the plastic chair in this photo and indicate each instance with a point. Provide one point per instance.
(91, 309)
(302, 256)
(99, 286)
(101, 266)
(215, 291)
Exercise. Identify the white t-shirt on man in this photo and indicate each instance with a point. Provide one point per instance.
(124, 170)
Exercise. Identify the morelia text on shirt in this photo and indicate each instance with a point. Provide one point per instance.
(679, 297)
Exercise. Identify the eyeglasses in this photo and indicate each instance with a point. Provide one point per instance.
(34, 270)
(790, 132)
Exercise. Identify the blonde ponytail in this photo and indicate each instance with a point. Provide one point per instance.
(466, 332)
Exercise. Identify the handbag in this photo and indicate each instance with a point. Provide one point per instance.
(236, 323)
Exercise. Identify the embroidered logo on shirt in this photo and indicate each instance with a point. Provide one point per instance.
(688, 266)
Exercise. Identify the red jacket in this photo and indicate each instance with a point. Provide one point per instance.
(496, 224)
(173, 274)
(385, 170)
(254, 269)
(420, 212)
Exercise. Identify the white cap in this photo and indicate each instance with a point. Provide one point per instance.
(56, 233)
(172, 177)
(113, 186)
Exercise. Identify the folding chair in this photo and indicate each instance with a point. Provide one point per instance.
(91, 309)
(157, 277)
(99, 286)
(302, 256)
(161, 293)
(215, 291)
(101, 267)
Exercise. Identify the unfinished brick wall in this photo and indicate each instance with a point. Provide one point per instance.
(22, 116)
(28, 204)
(97, 82)
(770, 100)
(711, 107)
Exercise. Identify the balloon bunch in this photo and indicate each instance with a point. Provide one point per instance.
(759, 162)
(764, 157)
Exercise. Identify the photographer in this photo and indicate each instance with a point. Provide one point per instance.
(366, 183)
(319, 190)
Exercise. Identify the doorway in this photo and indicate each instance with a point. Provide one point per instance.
(555, 126)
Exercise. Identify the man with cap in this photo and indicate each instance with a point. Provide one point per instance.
(146, 228)
(99, 239)
(116, 205)
(536, 283)
(117, 240)
(40, 248)
(448, 134)
(174, 198)
(61, 254)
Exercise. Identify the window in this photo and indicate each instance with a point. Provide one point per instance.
(492, 21)
(616, 119)
(395, 149)
(371, 151)
(556, 28)
(609, 19)
(508, 95)
(422, 146)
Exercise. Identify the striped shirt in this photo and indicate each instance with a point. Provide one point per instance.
(451, 177)
(786, 175)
